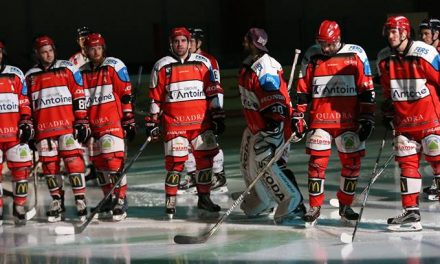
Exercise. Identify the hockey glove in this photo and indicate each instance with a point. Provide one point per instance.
(218, 121)
(298, 126)
(129, 126)
(26, 130)
(366, 127)
(388, 122)
(267, 142)
(82, 130)
(152, 128)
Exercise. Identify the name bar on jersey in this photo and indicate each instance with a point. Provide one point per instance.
(8, 103)
(408, 89)
(50, 97)
(334, 86)
(99, 95)
(185, 91)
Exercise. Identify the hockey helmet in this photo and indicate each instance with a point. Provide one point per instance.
(329, 32)
(180, 31)
(197, 33)
(259, 38)
(83, 31)
(397, 22)
(43, 41)
(94, 39)
(430, 23)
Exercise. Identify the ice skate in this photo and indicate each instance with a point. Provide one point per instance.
(170, 208)
(19, 214)
(347, 214)
(120, 209)
(431, 192)
(311, 216)
(81, 208)
(56, 211)
(188, 184)
(299, 212)
(219, 183)
(206, 207)
(407, 221)
(105, 212)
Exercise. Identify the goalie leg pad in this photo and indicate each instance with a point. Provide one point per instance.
(259, 200)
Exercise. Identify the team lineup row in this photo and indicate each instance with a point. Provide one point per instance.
(61, 108)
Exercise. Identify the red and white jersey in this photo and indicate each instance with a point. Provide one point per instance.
(14, 103)
(263, 93)
(108, 89)
(184, 90)
(412, 82)
(78, 59)
(338, 87)
(57, 98)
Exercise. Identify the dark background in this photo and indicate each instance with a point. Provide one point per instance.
(136, 31)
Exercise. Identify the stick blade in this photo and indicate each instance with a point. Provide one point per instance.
(64, 230)
(30, 214)
(180, 239)
(334, 202)
(346, 238)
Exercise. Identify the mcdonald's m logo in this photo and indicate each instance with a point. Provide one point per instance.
(21, 188)
(403, 185)
(76, 180)
(51, 183)
(315, 186)
(350, 185)
(173, 179)
(204, 176)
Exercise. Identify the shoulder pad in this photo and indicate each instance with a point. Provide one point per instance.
(201, 58)
(32, 71)
(163, 62)
(68, 65)
(359, 51)
(266, 68)
(310, 52)
(427, 52)
(113, 62)
(13, 70)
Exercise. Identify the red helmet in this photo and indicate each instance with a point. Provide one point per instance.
(94, 39)
(398, 22)
(329, 31)
(180, 31)
(43, 41)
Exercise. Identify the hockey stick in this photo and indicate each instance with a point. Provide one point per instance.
(292, 72)
(182, 239)
(78, 229)
(335, 202)
(346, 238)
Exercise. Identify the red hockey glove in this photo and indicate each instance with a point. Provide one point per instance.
(152, 128)
(129, 126)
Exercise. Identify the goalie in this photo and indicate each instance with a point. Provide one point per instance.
(267, 111)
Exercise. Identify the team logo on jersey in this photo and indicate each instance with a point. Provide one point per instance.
(51, 97)
(186, 91)
(408, 89)
(100, 95)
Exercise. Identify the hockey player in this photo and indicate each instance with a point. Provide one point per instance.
(16, 129)
(267, 111)
(218, 177)
(429, 32)
(335, 81)
(187, 99)
(80, 58)
(409, 73)
(107, 83)
(60, 116)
